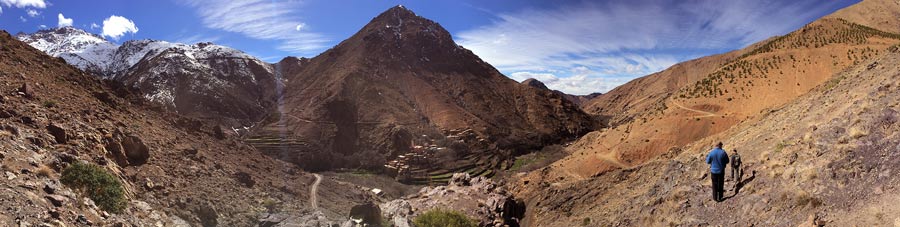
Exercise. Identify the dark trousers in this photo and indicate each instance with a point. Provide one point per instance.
(736, 174)
(718, 186)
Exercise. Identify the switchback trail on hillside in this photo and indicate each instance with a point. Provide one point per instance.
(705, 113)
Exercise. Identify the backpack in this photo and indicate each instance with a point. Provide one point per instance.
(736, 160)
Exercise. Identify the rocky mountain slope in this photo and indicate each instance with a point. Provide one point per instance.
(369, 99)
(177, 171)
(810, 112)
(827, 158)
(706, 96)
(201, 80)
(579, 100)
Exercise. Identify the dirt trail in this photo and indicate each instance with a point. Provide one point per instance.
(313, 197)
(611, 158)
(705, 114)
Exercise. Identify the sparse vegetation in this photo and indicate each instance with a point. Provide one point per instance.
(538, 159)
(96, 183)
(856, 132)
(443, 218)
(586, 222)
(44, 170)
(804, 199)
(815, 35)
(780, 146)
(49, 104)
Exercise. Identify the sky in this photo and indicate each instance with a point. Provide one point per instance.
(578, 47)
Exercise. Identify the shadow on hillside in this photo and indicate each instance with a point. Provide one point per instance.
(737, 188)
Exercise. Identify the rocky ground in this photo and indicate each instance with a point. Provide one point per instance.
(828, 158)
(175, 170)
(480, 198)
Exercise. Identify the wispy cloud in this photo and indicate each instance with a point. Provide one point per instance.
(581, 80)
(262, 19)
(24, 3)
(32, 12)
(627, 39)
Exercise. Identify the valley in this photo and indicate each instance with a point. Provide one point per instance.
(399, 122)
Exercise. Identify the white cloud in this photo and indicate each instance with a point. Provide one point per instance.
(627, 39)
(94, 26)
(42, 26)
(116, 26)
(262, 19)
(583, 81)
(24, 3)
(63, 21)
(32, 13)
(300, 26)
(21, 18)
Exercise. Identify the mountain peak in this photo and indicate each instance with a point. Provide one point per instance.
(535, 83)
(396, 15)
(398, 28)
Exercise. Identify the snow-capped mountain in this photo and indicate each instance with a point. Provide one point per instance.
(202, 80)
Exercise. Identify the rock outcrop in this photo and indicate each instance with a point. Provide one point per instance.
(478, 197)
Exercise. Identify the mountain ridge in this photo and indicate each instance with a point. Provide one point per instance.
(238, 93)
(403, 75)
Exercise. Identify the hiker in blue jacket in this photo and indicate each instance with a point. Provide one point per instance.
(717, 159)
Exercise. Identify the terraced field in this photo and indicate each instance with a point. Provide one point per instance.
(481, 163)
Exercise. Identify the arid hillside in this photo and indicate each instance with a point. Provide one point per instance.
(878, 14)
(176, 171)
(827, 158)
(706, 96)
(402, 81)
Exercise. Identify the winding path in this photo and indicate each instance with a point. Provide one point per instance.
(313, 197)
(705, 114)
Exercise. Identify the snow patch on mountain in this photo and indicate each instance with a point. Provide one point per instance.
(95, 54)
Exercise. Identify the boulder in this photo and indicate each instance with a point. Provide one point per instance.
(218, 132)
(368, 213)
(57, 200)
(59, 134)
(36, 141)
(114, 149)
(106, 98)
(135, 150)
(245, 179)
(460, 179)
(26, 90)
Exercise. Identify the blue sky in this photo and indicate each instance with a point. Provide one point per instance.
(578, 47)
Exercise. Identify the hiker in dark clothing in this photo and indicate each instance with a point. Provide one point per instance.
(736, 172)
(717, 159)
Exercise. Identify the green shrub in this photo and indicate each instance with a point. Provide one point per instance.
(98, 184)
(780, 146)
(443, 218)
(49, 104)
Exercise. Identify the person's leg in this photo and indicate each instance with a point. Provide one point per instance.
(732, 173)
(721, 187)
(717, 186)
(712, 178)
